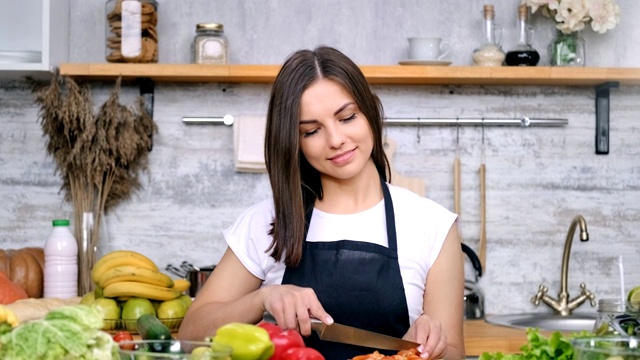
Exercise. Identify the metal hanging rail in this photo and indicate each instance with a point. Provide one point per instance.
(521, 122)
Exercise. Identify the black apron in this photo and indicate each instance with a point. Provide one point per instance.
(358, 284)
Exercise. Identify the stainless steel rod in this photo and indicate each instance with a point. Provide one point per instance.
(521, 122)
(209, 120)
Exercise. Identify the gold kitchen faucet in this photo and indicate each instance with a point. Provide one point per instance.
(563, 305)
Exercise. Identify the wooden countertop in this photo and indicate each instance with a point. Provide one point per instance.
(480, 336)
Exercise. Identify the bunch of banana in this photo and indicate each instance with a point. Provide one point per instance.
(7, 315)
(181, 285)
(124, 273)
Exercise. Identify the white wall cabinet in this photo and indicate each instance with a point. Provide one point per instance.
(34, 37)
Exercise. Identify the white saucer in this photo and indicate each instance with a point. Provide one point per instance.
(424, 62)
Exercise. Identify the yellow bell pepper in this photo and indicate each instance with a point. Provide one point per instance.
(249, 342)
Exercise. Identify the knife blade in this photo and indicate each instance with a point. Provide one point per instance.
(354, 336)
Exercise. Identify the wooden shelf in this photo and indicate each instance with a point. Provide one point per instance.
(376, 74)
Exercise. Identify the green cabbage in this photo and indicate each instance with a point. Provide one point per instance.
(66, 333)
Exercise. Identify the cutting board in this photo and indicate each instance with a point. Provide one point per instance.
(414, 184)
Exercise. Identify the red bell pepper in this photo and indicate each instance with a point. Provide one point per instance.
(282, 339)
(302, 354)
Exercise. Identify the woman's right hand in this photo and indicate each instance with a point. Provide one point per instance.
(293, 307)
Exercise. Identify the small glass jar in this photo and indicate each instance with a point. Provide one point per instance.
(489, 53)
(210, 44)
(131, 31)
(609, 309)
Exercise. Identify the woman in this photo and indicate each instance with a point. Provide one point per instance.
(336, 242)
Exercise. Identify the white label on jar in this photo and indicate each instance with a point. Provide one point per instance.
(131, 28)
(210, 51)
(213, 48)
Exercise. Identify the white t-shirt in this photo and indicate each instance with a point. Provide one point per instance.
(421, 228)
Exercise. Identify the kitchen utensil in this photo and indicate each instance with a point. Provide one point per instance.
(354, 336)
(187, 266)
(197, 278)
(456, 178)
(456, 185)
(473, 294)
(350, 335)
(414, 184)
(482, 243)
(176, 271)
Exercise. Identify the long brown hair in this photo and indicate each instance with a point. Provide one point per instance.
(294, 182)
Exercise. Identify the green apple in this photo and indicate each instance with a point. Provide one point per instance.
(171, 309)
(186, 300)
(88, 298)
(133, 309)
(110, 312)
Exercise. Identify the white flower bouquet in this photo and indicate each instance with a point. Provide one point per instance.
(572, 15)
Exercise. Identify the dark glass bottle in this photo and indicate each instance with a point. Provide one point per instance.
(523, 54)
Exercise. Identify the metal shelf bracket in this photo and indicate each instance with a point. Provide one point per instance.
(147, 87)
(602, 116)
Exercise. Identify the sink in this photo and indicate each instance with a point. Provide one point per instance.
(550, 322)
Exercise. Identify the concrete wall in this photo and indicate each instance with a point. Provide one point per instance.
(538, 178)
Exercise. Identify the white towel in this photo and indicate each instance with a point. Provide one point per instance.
(248, 143)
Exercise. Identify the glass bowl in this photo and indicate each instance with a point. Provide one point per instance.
(604, 348)
(115, 325)
(173, 349)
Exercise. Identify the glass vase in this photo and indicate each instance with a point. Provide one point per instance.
(568, 49)
(92, 238)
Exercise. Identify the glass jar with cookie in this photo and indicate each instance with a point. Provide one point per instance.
(131, 31)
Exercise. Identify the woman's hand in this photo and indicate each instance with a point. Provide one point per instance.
(428, 333)
(293, 307)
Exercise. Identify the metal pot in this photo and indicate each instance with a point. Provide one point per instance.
(196, 276)
(473, 295)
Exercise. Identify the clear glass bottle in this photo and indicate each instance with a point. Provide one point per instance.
(131, 31)
(61, 262)
(523, 54)
(490, 53)
(609, 309)
(210, 45)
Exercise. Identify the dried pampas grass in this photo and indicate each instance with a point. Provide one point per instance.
(99, 157)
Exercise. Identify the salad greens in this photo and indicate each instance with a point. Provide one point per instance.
(555, 347)
(70, 332)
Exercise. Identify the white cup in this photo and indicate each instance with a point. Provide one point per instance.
(428, 48)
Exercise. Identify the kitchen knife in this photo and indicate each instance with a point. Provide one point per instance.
(350, 335)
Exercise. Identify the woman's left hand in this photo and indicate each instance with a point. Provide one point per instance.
(428, 333)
